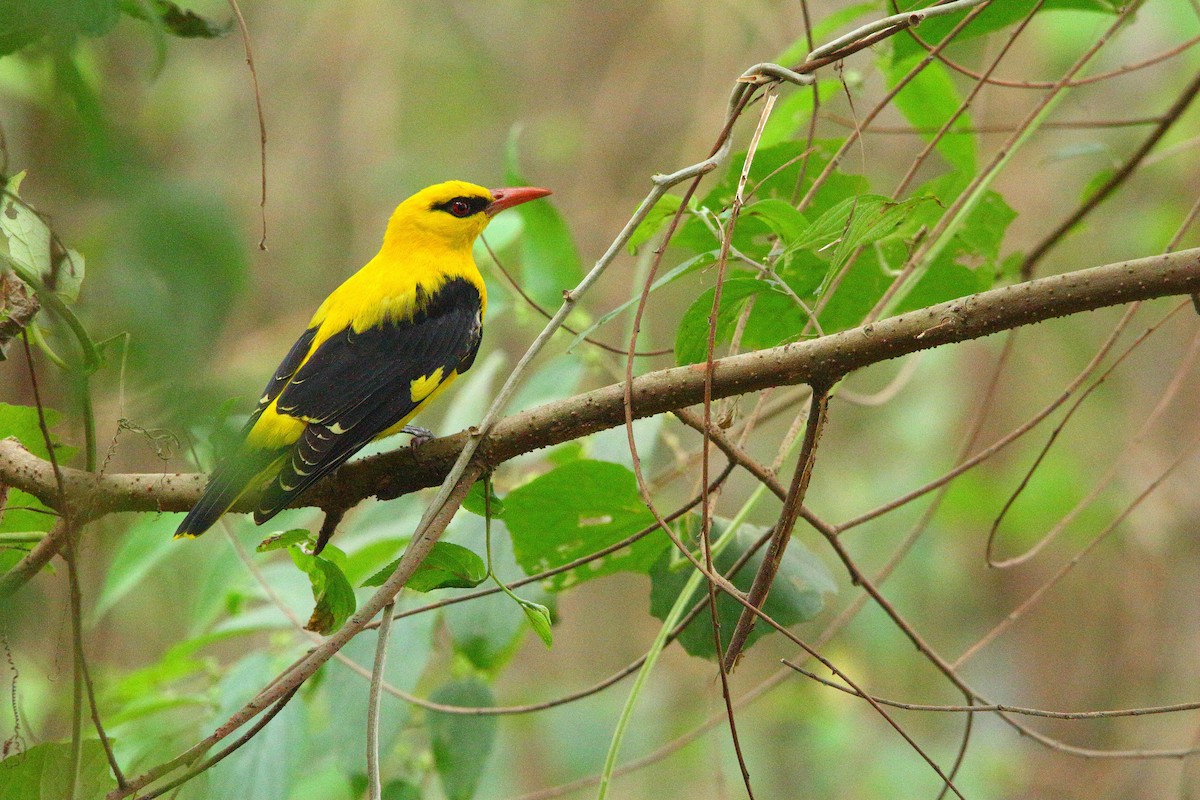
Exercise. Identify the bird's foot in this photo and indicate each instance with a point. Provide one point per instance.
(419, 435)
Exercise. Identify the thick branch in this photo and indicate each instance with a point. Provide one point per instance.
(825, 359)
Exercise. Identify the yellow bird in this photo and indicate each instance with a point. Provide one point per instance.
(378, 350)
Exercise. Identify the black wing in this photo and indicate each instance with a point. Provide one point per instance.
(357, 385)
(283, 373)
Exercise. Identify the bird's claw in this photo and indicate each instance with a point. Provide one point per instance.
(419, 435)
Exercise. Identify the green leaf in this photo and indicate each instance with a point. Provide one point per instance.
(860, 289)
(575, 510)
(781, 216)
(488, 630)
(474, 501)
(23, 22)
(971, 262)
(333, 594)
(447, 566)
(23, 511)
(10, 556)
(462, 742)
(777, 172)
(550, 263)
(539, 619)
(859, 221)
(283, 539)
(774, 319)
(791, 115)
(44, 772)
(654, 220)
(983, 230)
(928, 101)
(30, 244)
(20, 25)
(993, 18)
(796, 596)
(691, 338)
(184, 23)
(869, 276)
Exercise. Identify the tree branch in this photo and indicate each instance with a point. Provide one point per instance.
(390, 475)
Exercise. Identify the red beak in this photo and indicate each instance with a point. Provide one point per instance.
(507, 198)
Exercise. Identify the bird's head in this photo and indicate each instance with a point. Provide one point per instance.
(453, 213)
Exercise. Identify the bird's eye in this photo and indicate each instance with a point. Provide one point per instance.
(460, 208)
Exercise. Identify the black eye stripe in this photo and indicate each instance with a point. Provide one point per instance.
(474, 204)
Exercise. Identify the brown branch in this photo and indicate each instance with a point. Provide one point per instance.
(782, 532)
(390, 475)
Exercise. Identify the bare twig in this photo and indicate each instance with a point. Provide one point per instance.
(262, 122)
(907, 19)
(782, 532)
(374, 695)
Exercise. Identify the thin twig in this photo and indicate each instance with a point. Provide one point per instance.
(262, 122)
(709, 355)
(965, 463)
(782, 531)
(939, 236)
(1158, 58)
(907, 19)
(374, 785)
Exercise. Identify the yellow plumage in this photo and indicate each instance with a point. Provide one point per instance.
(382, 346)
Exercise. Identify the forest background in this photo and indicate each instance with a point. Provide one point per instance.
(143, 150)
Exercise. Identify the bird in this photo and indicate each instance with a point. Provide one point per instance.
(378, 350)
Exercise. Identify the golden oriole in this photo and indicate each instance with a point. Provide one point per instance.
(381, 347)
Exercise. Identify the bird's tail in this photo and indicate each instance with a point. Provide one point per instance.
(231, 479)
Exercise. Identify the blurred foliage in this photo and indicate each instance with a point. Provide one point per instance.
(796, 594)
(133, 124)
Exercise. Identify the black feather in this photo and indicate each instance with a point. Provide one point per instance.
(283, 373)
(232, 477)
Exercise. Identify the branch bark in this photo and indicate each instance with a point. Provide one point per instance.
(826, 359)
